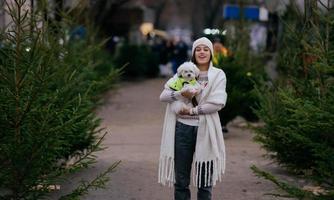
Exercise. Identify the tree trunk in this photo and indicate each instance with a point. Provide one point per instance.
(213, 12)
(158, 11)
(59, 9)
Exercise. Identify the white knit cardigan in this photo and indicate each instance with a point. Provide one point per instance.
(210, 147)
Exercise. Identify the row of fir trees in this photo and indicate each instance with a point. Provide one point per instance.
(49, 86)
(298, 108)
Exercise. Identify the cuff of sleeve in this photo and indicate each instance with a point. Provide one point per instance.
(172, 95)
(200, 110)
(194, 111)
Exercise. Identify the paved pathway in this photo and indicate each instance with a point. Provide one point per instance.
(133, 115)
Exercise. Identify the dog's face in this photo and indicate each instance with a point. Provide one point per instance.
(188, 71)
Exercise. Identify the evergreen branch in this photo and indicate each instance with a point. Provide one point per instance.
(11, 36)
(11, 10)
(26, 108)
(279, 195)
(95, 147)
(291, 30)
(292, 190)
(79, 162)
(98, 182)
(323, 4)
(23, 17)
(4, 77)
(31, 57)
(64, 124)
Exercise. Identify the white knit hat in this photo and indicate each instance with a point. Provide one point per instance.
(204, 41)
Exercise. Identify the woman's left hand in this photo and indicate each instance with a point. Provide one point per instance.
(187, 94)
(184, 111)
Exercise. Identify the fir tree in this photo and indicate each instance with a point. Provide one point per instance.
(298, 110)
(243, 68)
(46, 104)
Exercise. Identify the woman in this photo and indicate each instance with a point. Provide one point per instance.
(193, 138)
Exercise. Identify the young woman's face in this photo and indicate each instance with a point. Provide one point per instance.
(202, 55)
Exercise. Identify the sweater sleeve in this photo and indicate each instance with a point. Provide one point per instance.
(169, 95)
(216, 99)
(208, 108)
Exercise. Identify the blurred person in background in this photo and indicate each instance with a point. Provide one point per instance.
(220, 52)
(180, 53)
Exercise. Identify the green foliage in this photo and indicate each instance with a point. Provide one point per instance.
(242, 68)
(48, 93)
(293, 191)
(98, 73)
(298, 128)
(298, 109)
(98, 182)
(139, 60)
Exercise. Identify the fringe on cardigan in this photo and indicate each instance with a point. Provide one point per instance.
(207, 173)
(210, 171)
(166, 171)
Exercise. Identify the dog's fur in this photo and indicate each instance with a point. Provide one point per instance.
(189, 72)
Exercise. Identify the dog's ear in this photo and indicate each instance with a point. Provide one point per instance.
(179, 71)
(196, 70)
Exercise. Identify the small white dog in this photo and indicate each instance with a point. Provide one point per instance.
(186, 81)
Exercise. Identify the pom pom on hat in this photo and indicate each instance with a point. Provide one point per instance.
(204, 41)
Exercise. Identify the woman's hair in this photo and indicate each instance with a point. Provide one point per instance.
(193, 59)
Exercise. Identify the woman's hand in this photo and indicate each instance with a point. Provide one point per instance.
(184, 111)
(187, 94)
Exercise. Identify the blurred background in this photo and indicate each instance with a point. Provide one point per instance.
(59, 58)
(148, 21)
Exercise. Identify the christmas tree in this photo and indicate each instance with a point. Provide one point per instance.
(47, 96)
(298, 109)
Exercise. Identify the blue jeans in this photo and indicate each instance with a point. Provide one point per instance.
(185, 143)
